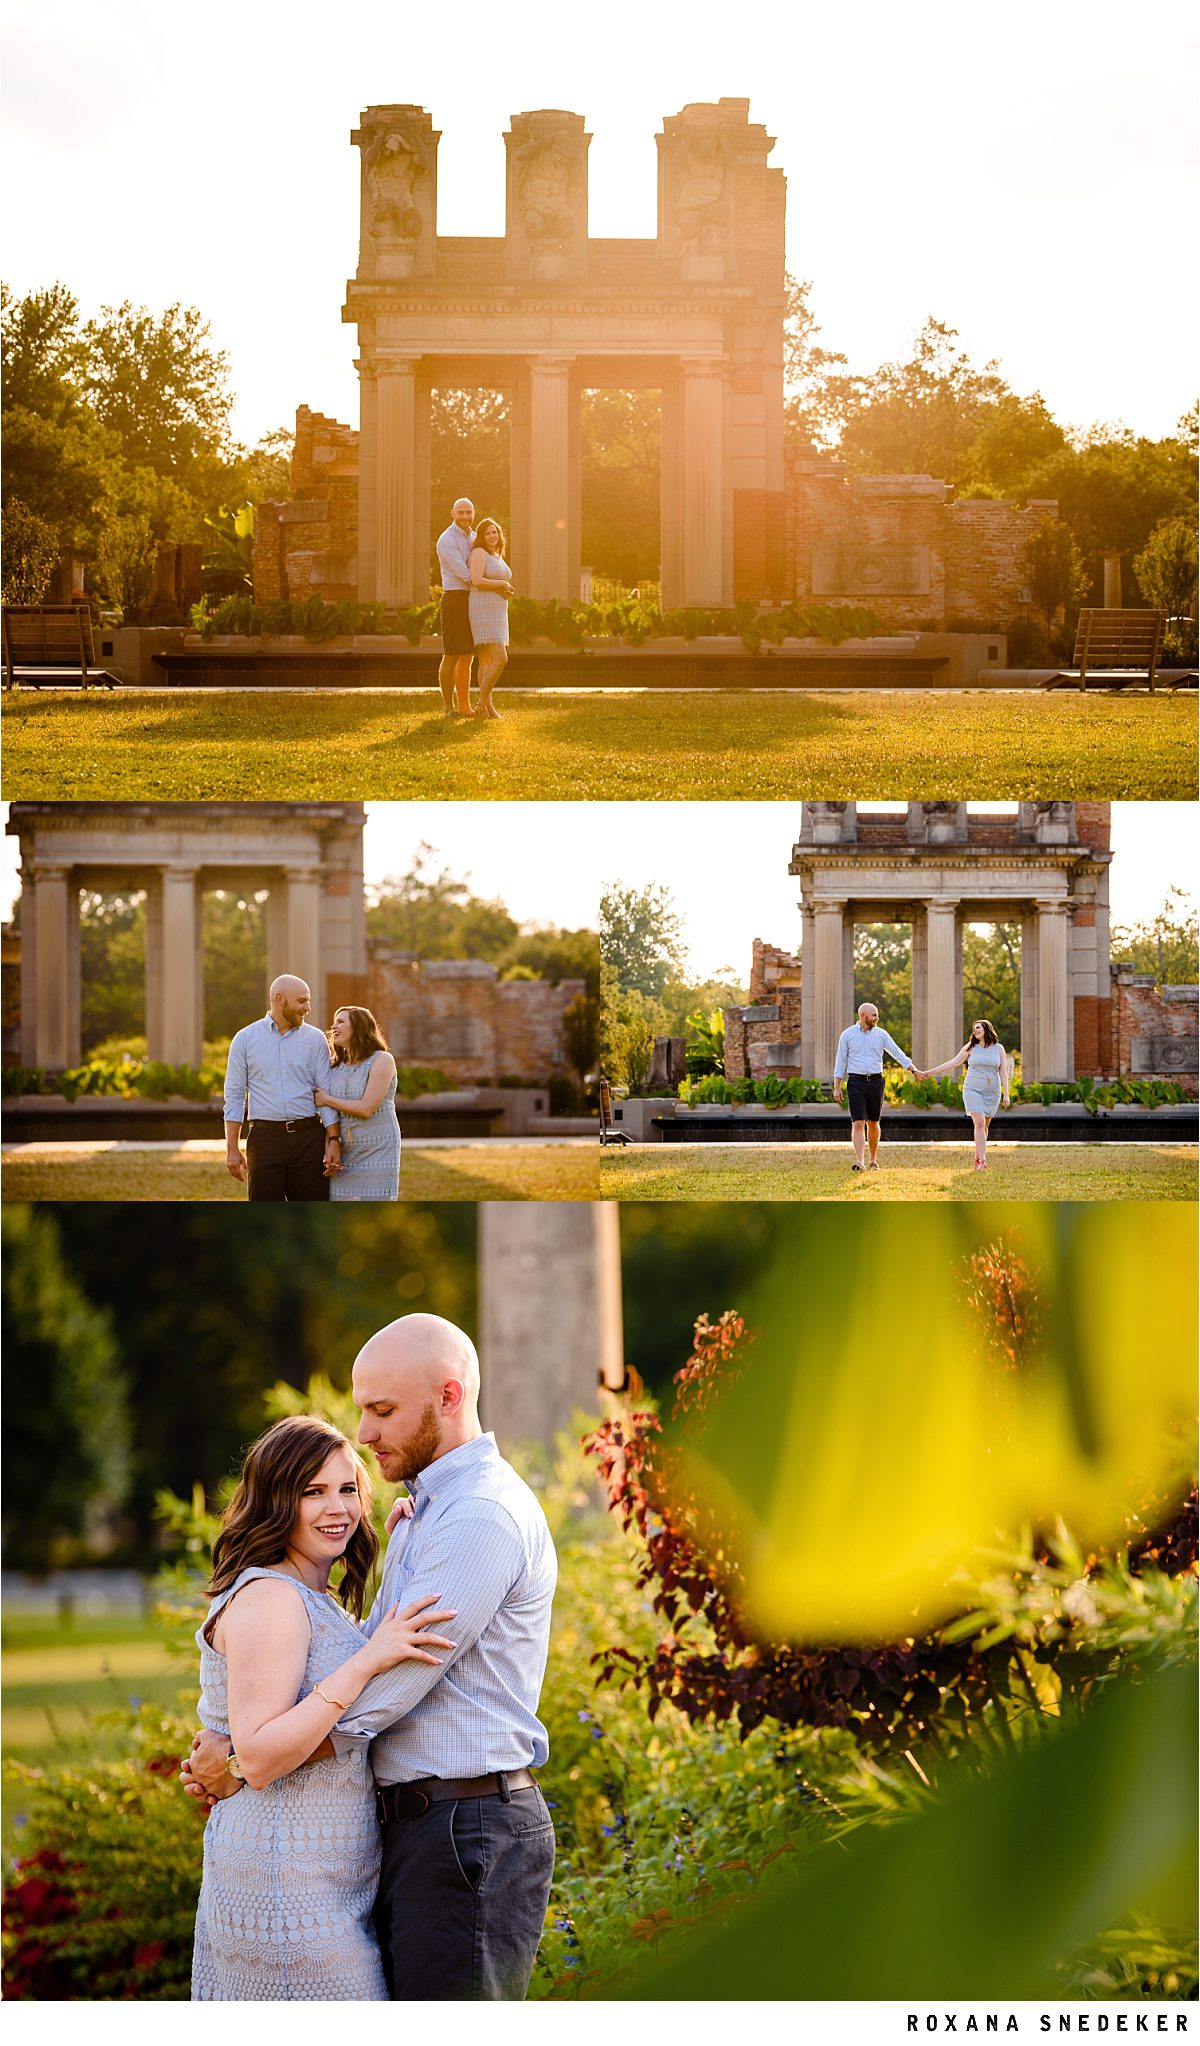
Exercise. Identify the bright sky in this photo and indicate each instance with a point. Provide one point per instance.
(973, 163)
(724, 863)
(545, 861)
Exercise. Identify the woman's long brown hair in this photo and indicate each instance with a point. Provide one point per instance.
(259, 1520)
(365, 1037)
(989, 1034)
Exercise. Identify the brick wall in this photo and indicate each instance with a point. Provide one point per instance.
(972, 545)
(1154, 1030)
(308, 546)
(459, 1015)
(769, 1019)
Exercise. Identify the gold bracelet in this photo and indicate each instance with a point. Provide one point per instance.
(319, 1693)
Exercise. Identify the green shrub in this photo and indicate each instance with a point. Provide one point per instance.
(103, 1906)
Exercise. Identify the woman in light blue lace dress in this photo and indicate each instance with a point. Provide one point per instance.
(487, 603)
(985, 1082)
(362, 1086)
(291, 1858)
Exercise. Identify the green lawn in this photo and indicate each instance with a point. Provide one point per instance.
(729, 746)
(907, 1172)
(497, 1172)
(61, 1678)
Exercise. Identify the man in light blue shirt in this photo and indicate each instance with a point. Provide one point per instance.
(458, 644)
(273, 1070)
(860, 1051)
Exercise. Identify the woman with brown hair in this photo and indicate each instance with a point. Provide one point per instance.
(291, 1863)
(985, 1082)
(488, 600)
(362, 1087)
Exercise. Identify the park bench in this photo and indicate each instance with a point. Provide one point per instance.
(51, 645)
(1126, 646)
(609, 1133)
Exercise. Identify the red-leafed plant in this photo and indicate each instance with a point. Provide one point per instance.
(708, 1663)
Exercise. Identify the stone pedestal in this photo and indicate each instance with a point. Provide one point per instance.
(829, 1017)
(396, 464)
(550, 1314)
(702, 522)
(1055, 1061)
(943, 985)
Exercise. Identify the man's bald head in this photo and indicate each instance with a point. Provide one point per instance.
(291, 999)
(417, 1383)
(868, 1015)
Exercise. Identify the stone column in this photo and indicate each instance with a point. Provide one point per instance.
(703, 492)
(550, 1314)
(829, 1017)
(1055, 1008)
(549, 569)
(1030, 1060)
(943, 995)
(1112, 582)
(395, 482)
(51, 901)
(180, 1002)
(304, 935)
(670, 517)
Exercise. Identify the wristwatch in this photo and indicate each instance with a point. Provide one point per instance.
(234, 1768)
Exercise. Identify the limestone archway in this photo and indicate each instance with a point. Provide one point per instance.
(937, 867)
(306, 856)
(548, 312)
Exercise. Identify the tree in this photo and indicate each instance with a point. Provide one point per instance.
(641, 937)
(1166, 568)
(1164, 945)
(469, 455)
(235, 961)
(991, 967)
(29, 551)
(621, 443)
(816, 398)
(154, 381)
(581, 1035)
(1052, 565)
(432, 915)
(557, 955)
(1114, 488)
(66, 1419)
(883, 974)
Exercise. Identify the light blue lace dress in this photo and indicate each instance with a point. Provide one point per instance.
(290, 1872)
(982, 1080)
(488, 610)
(370, 1144)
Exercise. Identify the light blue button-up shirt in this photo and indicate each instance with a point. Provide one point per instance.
(861, 1051)
(478, 1539)
(454, 557)
(271, 1073)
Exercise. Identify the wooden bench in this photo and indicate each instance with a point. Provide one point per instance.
(52, 646)
(1125, 645)
(609, 1133)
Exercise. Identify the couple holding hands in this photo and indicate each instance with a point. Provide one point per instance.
(859, 1063)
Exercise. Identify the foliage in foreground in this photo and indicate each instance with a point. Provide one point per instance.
(135, 1078)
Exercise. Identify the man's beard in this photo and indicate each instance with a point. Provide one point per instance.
(418, 1449)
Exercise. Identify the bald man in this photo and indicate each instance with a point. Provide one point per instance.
(468, 1842)
(271, 1076)
(458, 645)
(859, 1059)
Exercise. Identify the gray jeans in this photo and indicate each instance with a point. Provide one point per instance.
(462, 1899)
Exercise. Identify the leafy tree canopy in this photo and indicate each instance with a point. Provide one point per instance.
(641, 937)
(1165, 944)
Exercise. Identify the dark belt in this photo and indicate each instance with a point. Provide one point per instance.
(298, 1122)
(409, 1800)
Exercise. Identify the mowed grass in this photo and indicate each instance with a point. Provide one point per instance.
(907, 1172)
(499, 1172)
(60, 1679)
(591, 747)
